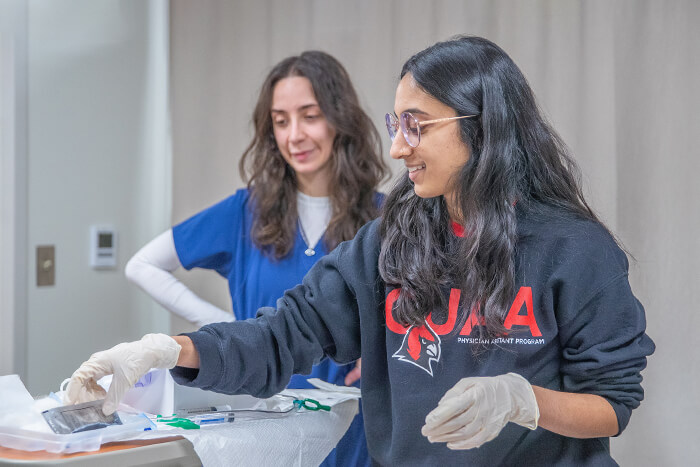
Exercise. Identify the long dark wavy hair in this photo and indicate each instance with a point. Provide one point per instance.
(515, 157)
(356, 164)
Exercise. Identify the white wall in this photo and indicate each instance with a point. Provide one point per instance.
(7, 178)
(13, 147)
(657, 76)
(98, 154)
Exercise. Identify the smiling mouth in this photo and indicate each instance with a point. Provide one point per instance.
(413, 169)
(302, 156)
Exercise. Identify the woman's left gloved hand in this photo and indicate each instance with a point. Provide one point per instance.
(476, 409)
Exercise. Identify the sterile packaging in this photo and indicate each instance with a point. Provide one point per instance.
(157, 393)
(322, 415)
(87, 416)
(29, 440)
(153, 393)
(23, 427)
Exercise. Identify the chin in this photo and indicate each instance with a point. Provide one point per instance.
(423, 193)
(306, 170)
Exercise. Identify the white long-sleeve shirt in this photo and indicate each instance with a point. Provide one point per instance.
(152, 266)
(151, 269)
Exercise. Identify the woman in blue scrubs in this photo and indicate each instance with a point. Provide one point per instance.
(312, 172)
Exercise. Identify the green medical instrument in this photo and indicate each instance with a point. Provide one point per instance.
(194, 422)
(310, 404)
(178, 422)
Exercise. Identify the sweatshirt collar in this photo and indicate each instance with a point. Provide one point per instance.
(457, 229)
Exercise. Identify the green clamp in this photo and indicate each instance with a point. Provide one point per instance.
(310, 404)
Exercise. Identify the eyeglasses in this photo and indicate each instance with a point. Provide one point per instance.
(410, 126)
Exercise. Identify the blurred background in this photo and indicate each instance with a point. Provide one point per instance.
(133, 114)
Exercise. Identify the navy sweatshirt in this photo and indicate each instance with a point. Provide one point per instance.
(574, 326)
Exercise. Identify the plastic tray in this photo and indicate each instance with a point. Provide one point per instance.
(28, 440)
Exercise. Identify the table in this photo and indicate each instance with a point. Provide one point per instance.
(171, 451)
(288, 441)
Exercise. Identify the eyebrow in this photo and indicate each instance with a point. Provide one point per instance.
(413, 110)
(303, 107)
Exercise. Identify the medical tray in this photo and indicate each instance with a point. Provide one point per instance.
(28, 440)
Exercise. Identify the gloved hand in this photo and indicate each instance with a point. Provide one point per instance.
(476, 409)
(127, 362)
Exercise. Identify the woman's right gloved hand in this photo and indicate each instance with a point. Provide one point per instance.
(127, 362)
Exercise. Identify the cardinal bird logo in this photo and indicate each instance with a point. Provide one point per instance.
(421, 347)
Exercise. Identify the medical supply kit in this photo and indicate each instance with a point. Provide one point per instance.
(45, 424)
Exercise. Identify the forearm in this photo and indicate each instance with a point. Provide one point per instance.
(189, 357)
(151, 269)
(575, 415)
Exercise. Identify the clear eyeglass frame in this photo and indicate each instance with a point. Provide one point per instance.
(410, 126)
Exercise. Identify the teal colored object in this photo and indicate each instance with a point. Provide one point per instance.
(310, 404)
(178, 422)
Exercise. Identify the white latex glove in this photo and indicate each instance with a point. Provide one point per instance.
(476, 409)
(127, 362)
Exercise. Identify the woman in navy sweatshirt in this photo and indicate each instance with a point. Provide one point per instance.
(488, 292)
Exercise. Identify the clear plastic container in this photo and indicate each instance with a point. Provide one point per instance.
(28, 440)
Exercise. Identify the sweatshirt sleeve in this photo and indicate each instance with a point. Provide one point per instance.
(602, 329)
(316, 319)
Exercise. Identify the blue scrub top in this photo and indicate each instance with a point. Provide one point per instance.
(219, 238)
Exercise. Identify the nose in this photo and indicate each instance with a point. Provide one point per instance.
(400, 149)
(296, 131)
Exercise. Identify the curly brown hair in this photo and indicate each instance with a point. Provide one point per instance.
(356, 164)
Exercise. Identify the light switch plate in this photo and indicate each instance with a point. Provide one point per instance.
(45, 265)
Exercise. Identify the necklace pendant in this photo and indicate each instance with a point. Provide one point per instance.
(309, 252)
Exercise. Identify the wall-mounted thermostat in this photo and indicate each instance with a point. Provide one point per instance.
(103, 247)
